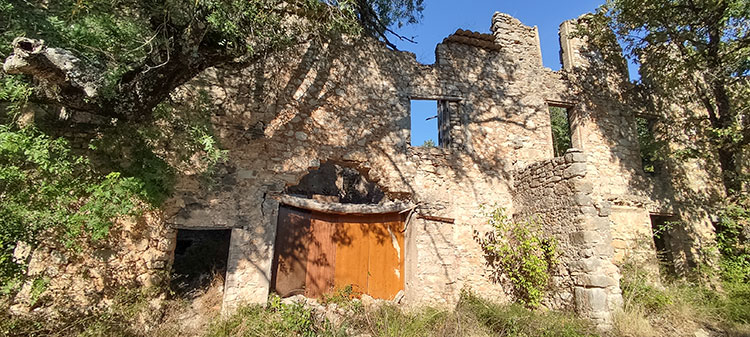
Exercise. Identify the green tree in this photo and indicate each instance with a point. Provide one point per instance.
(694, 51)
(128, 56)
(119, 61)
(561, 137)
(694, 58)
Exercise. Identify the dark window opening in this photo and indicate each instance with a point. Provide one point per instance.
(662, 228)
(648, 145)
(200, 259)
(561, 134)
(424, 123)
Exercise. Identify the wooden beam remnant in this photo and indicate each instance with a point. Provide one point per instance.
(339, 208)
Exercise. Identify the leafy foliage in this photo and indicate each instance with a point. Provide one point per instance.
(521, 252)
(561, 140)
(694, 59)
(48, 190)
(650, 148)
(428, 143)
(733, 242)
(141, 50)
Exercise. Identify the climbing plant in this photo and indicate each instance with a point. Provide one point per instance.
(520, 252)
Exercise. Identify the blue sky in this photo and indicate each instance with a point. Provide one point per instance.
(443, 17)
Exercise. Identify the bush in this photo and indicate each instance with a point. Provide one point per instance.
(521, 252)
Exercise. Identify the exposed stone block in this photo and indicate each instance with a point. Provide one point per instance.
(591, 300)
(575, 170)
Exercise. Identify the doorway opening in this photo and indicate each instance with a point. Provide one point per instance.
(661, 226)
(200, 260)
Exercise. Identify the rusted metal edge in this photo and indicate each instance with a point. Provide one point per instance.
(343, 209)
(436, 218)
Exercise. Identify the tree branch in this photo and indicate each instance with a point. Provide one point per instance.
(63, 77)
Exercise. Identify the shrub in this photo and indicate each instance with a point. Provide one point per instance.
(522, 253)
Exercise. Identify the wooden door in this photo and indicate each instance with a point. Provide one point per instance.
(334, 251)
(289, 271)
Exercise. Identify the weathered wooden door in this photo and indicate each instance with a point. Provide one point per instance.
(291, 251)
(316, 253)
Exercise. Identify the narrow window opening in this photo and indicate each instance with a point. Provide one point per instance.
(424, 123)
(662, 228)
(561, 134)
(648, 145)
(200, 260)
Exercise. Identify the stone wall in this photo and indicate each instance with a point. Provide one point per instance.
(138, 253)
(559, 193)
(347, 101)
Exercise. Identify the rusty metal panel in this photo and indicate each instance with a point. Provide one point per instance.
(321, 259)
(352, 254)
(289, 271)
(386, 260)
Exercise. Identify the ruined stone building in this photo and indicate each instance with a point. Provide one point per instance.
(320, 164)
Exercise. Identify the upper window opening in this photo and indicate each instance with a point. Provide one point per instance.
(649, 146)
(561, 135)
(424, 123)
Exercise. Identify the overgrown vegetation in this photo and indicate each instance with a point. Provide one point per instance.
(650, 149)
(472, 316)
(133, 314)
(47, 190)
(678, 307)
(520, 251)
(733, 242)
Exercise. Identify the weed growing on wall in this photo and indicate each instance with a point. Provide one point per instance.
(520, 252)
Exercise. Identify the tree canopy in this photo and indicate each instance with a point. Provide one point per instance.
(120, 60)
(127, 56)
(694, 58)
(694, 51)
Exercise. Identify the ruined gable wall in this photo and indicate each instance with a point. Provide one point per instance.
(348, 103)
(505, 111)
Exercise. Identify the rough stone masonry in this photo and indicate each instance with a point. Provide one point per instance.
(346, 102)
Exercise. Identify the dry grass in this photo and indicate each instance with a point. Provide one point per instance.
(680, 308)
(633, 322)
